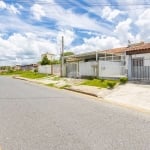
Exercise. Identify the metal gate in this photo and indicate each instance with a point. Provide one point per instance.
(140, 68)
(71, 70)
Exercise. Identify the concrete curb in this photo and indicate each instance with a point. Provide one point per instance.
(69, 89)
(25, 79)
(82, 92)
(20, 78)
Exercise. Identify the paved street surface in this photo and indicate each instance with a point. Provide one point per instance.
(34, 117)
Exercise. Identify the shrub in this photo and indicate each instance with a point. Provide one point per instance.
(36, 70)
(111, 84)
(102, 80)
(10, 71)
(123, 80)
(51, 84)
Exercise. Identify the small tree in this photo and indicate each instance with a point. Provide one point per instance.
(45, 61)
(55, 61)
(68, 53)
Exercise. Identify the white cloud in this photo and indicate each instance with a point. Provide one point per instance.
(97, 43)
(144, 20)
(66, 17)
(2, 5)
(122, 31)
(123, 26)
(69, 37)
(20, 26)
(11, 8)
(38, 11)
(24, 48)
(110, 14)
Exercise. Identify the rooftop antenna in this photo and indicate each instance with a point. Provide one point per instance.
(129, 43)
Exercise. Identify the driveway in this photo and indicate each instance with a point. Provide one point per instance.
(34, 117)
(136, 96)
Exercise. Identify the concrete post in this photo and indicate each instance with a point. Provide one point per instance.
(130, 67)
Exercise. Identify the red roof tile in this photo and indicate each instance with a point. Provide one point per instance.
(115, 50)
(138, 47)
(133, 48)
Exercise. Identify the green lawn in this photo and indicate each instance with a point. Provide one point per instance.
(32, 75)
(25, 74)
(101, 83)
(11, 73)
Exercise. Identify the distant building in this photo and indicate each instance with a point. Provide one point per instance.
(26, 67)
(17, 67)
(49, 56)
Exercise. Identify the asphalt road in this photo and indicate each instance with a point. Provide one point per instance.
(34, 117)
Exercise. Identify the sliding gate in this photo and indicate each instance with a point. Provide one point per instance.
(140, 69)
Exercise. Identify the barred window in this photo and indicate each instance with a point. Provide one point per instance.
(138, 62)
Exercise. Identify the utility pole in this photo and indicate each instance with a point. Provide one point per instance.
(97, 65)
(62, 56)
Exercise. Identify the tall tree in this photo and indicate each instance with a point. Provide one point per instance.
(45, 61)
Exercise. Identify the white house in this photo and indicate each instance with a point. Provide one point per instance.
(138, 61)
(101, 64)
(49, 56)
(132, 61)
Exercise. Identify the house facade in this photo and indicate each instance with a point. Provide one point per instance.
(101, 64)
(132, 61)
(138, 61)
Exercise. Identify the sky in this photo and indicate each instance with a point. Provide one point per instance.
(29, 28)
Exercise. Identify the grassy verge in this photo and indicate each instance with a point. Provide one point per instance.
(101, 83)
(51, 85)
(32, 75)
(25, 74)
(61, 87)
(9, 73)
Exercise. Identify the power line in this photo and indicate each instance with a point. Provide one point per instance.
(130, 9)
(88, 4)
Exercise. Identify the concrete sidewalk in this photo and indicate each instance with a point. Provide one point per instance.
(131, 95)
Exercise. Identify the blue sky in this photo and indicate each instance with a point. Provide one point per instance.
(31, 28)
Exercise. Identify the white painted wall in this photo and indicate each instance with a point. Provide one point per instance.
(87, 68)
(44, 69)
(111, 69)
(56, 69)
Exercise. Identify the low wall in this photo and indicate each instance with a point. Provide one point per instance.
(45, 69)
(49, 69)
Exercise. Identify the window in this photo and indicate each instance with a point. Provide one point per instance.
(138, 62)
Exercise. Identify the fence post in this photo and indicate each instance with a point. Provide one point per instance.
(129, 67)
(52, 69)
(97, 65)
